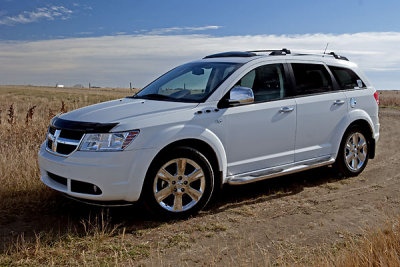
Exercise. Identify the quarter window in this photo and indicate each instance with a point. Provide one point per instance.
(346, 78)
(267, 82)
(311, 78)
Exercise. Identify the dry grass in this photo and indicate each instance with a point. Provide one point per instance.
(389, 99)
(24, 118)
(50, 230)
(23, 124)
(376, 247)
(101, 243)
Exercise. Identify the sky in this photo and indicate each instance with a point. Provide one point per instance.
(112, 43)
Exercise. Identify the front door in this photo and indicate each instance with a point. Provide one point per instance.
(262, 134)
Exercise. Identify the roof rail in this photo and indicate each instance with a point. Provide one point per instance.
(273, 52)
(323, 55)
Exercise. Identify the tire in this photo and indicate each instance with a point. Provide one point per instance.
(179, 183)
(353, 153)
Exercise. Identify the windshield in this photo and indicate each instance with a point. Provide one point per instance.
(192, 82)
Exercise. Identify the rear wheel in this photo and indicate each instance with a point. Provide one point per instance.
(179, 183)
(354, 152)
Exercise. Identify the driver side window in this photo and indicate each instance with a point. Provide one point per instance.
(267, 82)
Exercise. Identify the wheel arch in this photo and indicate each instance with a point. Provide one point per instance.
(204, 148)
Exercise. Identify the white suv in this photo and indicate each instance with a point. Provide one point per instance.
(234, 117)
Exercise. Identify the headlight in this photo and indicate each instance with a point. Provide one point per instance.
(107, 141)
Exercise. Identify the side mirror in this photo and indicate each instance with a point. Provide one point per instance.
(240, 95)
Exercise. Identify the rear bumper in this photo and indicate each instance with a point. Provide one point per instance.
(118, 176)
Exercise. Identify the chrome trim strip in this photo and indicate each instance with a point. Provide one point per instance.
(279, 171)
(66, 141)
(51, 137)
(55, 143)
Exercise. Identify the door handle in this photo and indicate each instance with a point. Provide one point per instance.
(339, 102)
(286, 110)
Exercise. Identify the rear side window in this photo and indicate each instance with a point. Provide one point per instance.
(346, 78)
(311, 78)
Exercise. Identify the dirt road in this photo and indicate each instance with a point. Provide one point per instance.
(281, 217)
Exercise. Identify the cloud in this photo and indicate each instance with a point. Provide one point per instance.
(117, 60)
(84, 33)
(182, 29)
(41, 13)
(82, 6)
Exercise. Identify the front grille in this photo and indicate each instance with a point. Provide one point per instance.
(52, 130)
(74, 135)
(49, 144)
(63, 142)
(65, 149)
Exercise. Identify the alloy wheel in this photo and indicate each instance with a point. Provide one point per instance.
(179, 185)
(356, 151)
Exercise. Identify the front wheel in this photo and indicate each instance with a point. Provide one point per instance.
(354, 152)
(179, 183)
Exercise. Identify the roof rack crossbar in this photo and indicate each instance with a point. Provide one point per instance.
(338, 56)
(273, 52)
(231, 54)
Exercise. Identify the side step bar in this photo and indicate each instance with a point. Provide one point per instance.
(278, 171)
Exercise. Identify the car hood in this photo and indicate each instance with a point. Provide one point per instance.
(117, 110)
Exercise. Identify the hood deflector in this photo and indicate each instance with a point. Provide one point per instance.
(81, 126)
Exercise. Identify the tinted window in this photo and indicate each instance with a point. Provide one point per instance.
(267, 82)
(346, 78)
(311, 78)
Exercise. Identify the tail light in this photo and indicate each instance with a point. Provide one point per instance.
(376, 95)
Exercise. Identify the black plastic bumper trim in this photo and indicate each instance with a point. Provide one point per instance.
(101, 203)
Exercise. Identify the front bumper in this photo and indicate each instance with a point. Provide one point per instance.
(118, 175)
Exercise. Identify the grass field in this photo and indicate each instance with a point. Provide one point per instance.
(40, 227)
(389, 99)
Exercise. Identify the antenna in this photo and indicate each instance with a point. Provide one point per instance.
(326, 47)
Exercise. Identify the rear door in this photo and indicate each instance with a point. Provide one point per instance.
(320, 110)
